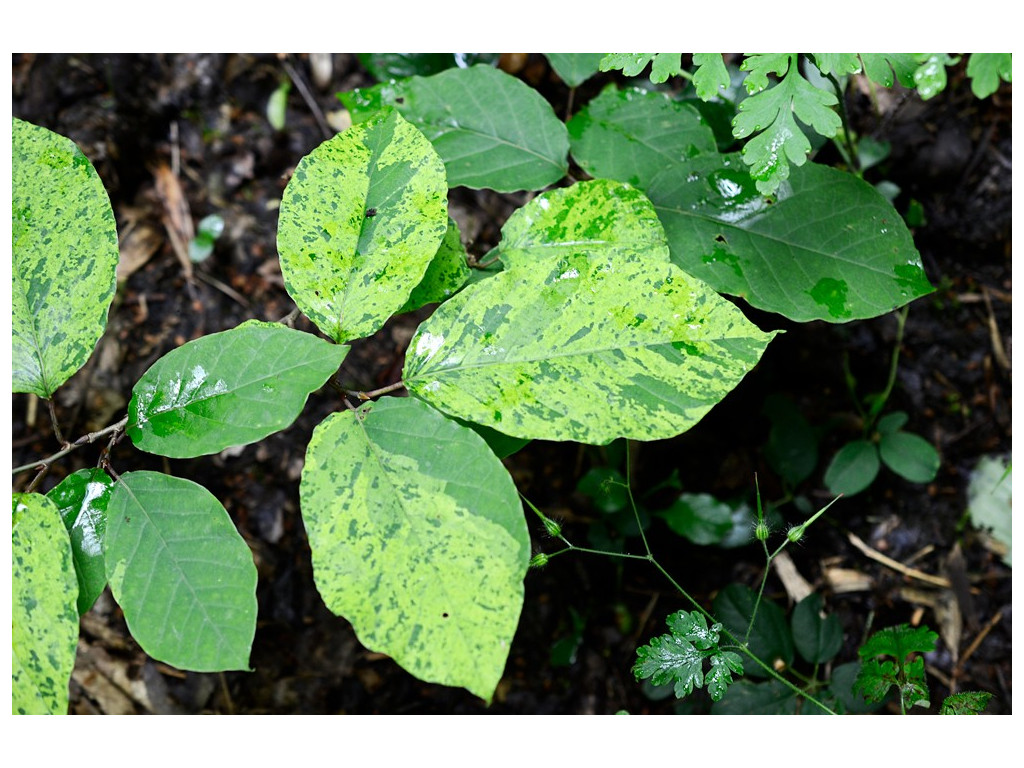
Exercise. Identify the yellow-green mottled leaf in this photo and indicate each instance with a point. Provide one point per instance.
(64, 258)
(447, 272)
(418, 539)
(44, 616)
(360, 221)
(589, 334)
(181, 572)
(229, 388)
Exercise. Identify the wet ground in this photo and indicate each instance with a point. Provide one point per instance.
(162, 129)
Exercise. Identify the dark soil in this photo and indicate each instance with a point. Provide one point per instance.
(203, 117)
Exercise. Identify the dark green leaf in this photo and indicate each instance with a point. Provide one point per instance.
(827, 247)
(700, 517)
(82, 499)
(881, 68)
(853, 468)
(361, 219)
(770, 638)
(910, 456)
(818, 638)
(229, 388)
(63, 258)
(574, 68)
(418, 538)
(388, 66)
(44, 633)
(792, 448)
(748, 698)
(181, 572)
(891, 422)
(965, 703)
(492, 130)
(607, 488)
(631, 135)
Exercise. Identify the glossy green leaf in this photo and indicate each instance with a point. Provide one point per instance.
(418, 539)
(768, 118)
(492, 130)
(888, 68)
(388, 66)
(827, 247)
(181, 573)
(82, 499)
(930, 75)
(229, 388)
(64, 257)
(710, 78)
(574, 68)
(853, 468)
(892, 422)
(447, 272)
(839, 64)
(770, 638)
(910, 456)
(663, 65)
(502, 445)
(817, 637)
(678, 657)
(588, 334)
(360, 221)
(631, 135)
(44, 617)
(700, 517)
(986, 70)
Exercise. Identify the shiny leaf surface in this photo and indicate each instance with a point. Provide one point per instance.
(631, 135)
(492, 130)
(64, 255)
(588, 334)
(827, 247)
(181, 573)
(418, 538)
(229, 388)
(82, 499)
(44, 617)
(361, 219)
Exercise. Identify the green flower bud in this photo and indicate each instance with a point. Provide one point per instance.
(539, 560)
(553, 528)
(795, 533)
(761, 531)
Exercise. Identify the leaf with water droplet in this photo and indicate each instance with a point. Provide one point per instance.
(828, 246)
(229, 388)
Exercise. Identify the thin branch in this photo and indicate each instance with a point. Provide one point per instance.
(89, 438)
(375, 392)
(300, 83)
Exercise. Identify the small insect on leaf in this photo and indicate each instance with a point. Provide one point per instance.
(371, 212)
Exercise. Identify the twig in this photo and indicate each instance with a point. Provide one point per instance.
(89, 438)
(976, 642)
(300, 83)
(375, 392)
(895, 565)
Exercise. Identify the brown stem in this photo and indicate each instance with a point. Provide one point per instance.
(44, 464)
